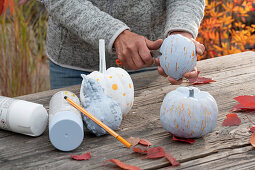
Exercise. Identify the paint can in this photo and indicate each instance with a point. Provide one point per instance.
(65, 123)
(22, 116)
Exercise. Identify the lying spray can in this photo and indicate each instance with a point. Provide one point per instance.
(65, 122)
(22, 116)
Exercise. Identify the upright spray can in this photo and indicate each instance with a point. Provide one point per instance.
(65, 122)
(22, 116)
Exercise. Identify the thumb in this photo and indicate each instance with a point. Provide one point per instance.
(153, 45)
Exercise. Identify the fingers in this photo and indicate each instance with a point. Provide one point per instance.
(157, 61)
(174, 82)
(145, 54)
(153, 45)
(191, 74)
(200, 48)
(161, 71)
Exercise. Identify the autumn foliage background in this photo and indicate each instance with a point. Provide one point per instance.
(228, 27)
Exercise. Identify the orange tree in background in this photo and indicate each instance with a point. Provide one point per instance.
(224, 29)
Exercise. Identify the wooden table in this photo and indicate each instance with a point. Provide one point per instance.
(225, 147)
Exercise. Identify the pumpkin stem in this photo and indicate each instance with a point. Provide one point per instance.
(191, 92)
(102, 64)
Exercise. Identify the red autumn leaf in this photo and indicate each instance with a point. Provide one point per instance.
(157, 152)
(139, 150)
(247, 101)
(252, 129)
(240, 107)
(85, 156)
(122, 164)
(190, 141)
(171, 159)
(144, 142)
(200, 80)
(252, 140)
(231, 120)
(133, 140)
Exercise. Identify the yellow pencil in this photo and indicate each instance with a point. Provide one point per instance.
(116, 135)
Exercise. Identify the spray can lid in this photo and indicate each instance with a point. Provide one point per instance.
(66, 130)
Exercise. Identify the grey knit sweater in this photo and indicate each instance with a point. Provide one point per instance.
(75, 26)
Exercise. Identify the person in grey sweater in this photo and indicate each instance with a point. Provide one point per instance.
(131, 28)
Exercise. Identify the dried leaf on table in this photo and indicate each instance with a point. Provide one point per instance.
(200, 80)
(122, 164)
(252, 140)
(144, 142)
(246, 103)
(190, 141)
(139, 150)
(133, 140)
(171, 159)
(157, 152)
(231, 120)
(85, 156)
(252, 129)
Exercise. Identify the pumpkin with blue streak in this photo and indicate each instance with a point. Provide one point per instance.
(100, 105)
(178, 56)
(188, 112)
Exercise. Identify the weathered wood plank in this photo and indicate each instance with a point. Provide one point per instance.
(232, 79)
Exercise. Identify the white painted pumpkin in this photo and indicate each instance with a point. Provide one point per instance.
(188, 112)
(178, 56)
(115, 81)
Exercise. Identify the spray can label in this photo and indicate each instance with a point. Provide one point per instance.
(5, 104)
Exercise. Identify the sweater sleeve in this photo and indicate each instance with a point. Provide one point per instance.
(184, 15)
(86, 20)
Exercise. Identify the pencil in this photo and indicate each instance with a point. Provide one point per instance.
(116, 135)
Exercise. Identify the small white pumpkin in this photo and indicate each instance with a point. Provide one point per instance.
(178, 56)
(188, 112)
(116, 82)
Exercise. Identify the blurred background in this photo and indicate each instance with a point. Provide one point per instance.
(228, 27)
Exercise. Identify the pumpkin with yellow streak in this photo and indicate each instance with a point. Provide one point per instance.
(188, 112)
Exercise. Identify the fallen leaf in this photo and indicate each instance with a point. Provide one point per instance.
(191, 141)
(240, 107)
(85, 156)
(248, 101)
(133, 140)
(144, 142)
(122, 164)
(231, 120)
(200, 80)
(171, 159)
(252, 129)
(139, 150)
(252, 140)
(157, 152)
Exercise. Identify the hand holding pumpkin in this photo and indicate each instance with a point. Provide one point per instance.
(133, 50)
(193, 73)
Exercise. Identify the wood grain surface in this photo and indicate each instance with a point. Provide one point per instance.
(224, 148)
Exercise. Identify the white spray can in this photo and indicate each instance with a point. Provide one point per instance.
(65, 122)
(22, 116)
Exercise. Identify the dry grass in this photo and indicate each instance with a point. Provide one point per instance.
(23, 67)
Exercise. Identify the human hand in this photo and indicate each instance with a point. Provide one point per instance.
(133, 50)
(200, 48)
